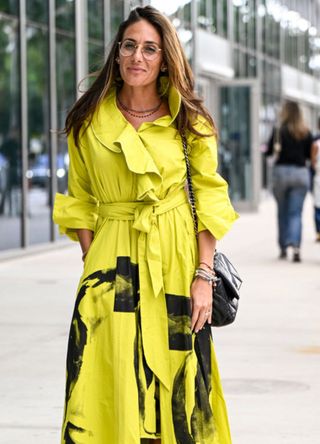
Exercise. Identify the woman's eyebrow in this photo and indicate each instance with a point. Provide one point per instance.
(147, 41)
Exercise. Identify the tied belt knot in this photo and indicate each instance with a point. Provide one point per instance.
(145, 217)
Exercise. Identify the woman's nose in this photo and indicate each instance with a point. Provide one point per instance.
(138, 55)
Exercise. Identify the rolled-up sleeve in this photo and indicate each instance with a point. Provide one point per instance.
(78, 209)
(214, 209)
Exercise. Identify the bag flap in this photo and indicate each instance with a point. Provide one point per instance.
(226, 271)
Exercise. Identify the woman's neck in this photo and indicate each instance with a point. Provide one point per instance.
(139, 98)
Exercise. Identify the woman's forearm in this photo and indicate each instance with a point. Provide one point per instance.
(314, 152)
(201, 289)
(85, 238)
(206, 246)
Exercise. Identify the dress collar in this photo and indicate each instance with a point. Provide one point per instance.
(114, 132)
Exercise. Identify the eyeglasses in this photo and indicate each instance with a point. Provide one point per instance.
(149, 51)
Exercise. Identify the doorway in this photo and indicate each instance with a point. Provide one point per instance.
(239, 156)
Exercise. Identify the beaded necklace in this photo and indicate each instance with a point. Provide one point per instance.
(133, 112)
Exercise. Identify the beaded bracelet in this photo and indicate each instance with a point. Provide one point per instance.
(206, 276)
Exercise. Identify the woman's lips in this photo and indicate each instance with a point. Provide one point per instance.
(135, 69)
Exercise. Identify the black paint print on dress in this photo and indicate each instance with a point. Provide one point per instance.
(125, 282)
(126, 285)
(67, 436)
(77, 341)
(202, 347)
(202, 420)
(146, 381)
(179, 322)
(178, 403)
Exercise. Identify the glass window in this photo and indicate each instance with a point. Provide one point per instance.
(66, 83)
(273, 37)
(235, 141)
(37, 10)
(244, 12)
(9, 6)
(202, 14)
(214, 16)
(38, 172)
(273, 76)
(10, 138)
(116, 15)
(95, 19)
(65, 15)
(224, 27)
(95, 34)
(207, 15)
(66, 96)
(66, 75)
(300, 29)
(65, 58)
(251, 42)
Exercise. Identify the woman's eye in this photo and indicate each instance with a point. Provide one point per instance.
(150, 49)
(128, 45)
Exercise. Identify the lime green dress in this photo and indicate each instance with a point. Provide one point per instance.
(134, 369)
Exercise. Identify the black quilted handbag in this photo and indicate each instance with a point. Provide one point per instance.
(225, 296)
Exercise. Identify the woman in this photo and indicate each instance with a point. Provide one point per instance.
(315, 162)
(140, 366)
(291, 143)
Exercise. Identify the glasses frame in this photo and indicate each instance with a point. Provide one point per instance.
(135, 49)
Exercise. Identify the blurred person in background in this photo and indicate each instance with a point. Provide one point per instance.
(315, 162)
(141, 365)
(290, 143)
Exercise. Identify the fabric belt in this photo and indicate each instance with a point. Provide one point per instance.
(144, 215)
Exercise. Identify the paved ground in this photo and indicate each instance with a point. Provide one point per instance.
(269, 359)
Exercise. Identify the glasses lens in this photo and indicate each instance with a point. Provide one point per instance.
(127, 48)
(150, 52)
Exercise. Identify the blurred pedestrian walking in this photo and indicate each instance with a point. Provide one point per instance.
(290, 143)
(315, 162)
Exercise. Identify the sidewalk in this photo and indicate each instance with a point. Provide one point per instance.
(269, 359)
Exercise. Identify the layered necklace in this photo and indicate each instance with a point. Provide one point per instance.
(137, 113)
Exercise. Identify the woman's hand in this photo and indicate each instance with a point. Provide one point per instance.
(85, 238)
(201, 303)
(201, 290)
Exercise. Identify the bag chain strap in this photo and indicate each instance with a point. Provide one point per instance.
(192, 198)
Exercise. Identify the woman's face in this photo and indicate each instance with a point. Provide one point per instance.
(136, 69)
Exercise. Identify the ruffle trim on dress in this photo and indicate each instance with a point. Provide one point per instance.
(71, 214)
(122, 137)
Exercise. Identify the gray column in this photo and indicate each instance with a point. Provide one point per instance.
(53, 109)
(106, 22)
(230, 35)
(24, 122)
(194, 20)
(81, 9)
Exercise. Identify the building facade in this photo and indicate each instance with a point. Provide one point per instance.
(247, 56)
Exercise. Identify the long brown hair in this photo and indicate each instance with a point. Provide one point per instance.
(178, 71)
(291, 117)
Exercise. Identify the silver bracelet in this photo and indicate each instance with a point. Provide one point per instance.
(206, 275)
